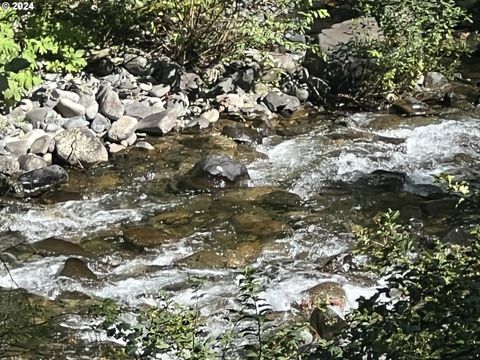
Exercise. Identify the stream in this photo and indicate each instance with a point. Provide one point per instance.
(139, 236)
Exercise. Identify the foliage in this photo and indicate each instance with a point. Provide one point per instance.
(24, 45)
(461, 189)
(428, 309)
(416, 36)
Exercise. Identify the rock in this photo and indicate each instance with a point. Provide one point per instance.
(79, 147)
(203, 259)
(244, 254)
(159, 91)
(327, 323)
(140, 110)
(241, 133)
(159, 123)
(190, 84)
(219, 168)
(8, 165)
(114, 148)
(137, 65)
(383, 180)
(147, 237)
(129, 141)
(77, 269)
(67, 108)
(100, 124)
(31, 162)
(32, 136)
(59, 247)
(440, 207)
(258, 225)
(167, 72)
(285, 62)
(37, 116)
(17, 148)
(281, 103)
(123, 128)
(424, 190)
(179, 102)
(109, 103)
(70, 95)
(91, 106)
(101, 67)
(211, 115)
(280, 199)
(75, 122)
(144, 145)
(410, 107)
(41, 180)
(434, 80)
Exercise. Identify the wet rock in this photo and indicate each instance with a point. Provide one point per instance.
(203, 259)
(258, 225)
(410, 107)
(109, 103)
(424, 190)
(9, 165)
(159, 90)
(440, 207)
(100, 124)
(137, 65)
(383, 180)
(147, 237)
(59, 196)
(280, 199)
(144, 145)
(458, 235)
(68, 108)
(77, 269)
(244, 254)
(41, 180)
(241, 133)
(55, 246)
(281, 103)
(247, 194)
(327, 323)
(159, 123)
(219, 168)
(79, 147)
(325, 293)
(123, 128)
(31, 162)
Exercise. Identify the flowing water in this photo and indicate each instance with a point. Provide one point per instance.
(319, 166)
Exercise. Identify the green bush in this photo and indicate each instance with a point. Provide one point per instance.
(416, 36)
(25, 44)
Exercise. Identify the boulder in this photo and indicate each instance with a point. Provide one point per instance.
(219, 168)
(68, 108)
(281, 103)
(55, 246)
(31, 162)
(137, 65)
(77, 269)
(109, 103)
(123, 128)
(100, 124)
(41, 180)
(79, 147)
(91, 106)
(140, 110)
(159, 123)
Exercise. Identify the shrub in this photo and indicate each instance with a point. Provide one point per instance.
(416, 36)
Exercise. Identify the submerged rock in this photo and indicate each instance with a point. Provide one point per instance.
(55, 246)
(41, 180)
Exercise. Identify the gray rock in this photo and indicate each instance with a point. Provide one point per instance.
(101, 67)
(158, 123)
(433, 80)
(383, 180)
(167, 72)
(179, 102)
(191, 84)
(218, 169)
(91, 106)
(100, 124)
(225, 86)
(42, 145)
(37, 116)
(31, 162)
(281, 103)
(123, 128)
(109, 103)
(144, 145)
(137, 65)
(140, 110)
(77, 269)
(75, 122)
(159, 90)
(32, 136)
(285, 62)
(129, 141)
(79, 147)
(17, 148)
(114, 148)
(68, 108)
(8, 165)
(211, 115)
(48, 157)
(63, 94)
(40, 180)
